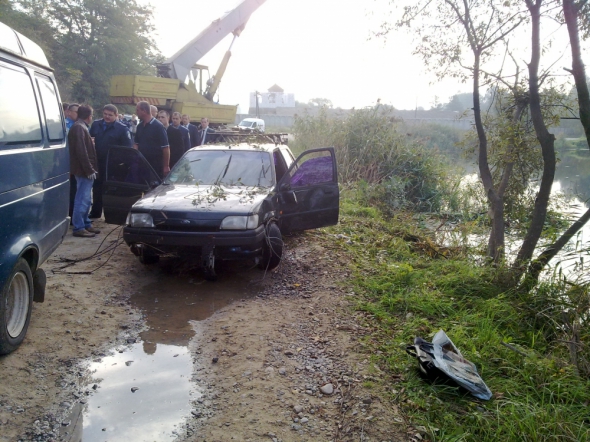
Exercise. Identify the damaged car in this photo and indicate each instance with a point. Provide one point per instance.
(220, 202)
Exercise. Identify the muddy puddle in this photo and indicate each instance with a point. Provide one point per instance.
(143, 391)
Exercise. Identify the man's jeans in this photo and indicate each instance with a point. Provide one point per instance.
(82, 202)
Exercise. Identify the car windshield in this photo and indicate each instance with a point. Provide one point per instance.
(246, 123)
(223, 167)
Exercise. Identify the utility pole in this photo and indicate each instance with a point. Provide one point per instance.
(257, 106)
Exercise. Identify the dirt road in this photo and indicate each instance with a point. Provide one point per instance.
(120, 351)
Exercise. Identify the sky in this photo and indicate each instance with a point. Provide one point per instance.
(316, 49)
(311, 48)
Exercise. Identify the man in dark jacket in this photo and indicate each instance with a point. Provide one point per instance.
(83, 166)
(206, 134)
(107, 132)
(192, 129)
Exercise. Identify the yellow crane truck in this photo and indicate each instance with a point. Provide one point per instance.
(180, 85)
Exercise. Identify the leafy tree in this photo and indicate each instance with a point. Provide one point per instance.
(91, 41)
(458, 38)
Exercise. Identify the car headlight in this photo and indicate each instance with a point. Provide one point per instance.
(239, 222)
(141, 220)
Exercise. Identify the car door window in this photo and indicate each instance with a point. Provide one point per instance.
(125, 165)
(313, 168)
(51, 106)
(19, 117)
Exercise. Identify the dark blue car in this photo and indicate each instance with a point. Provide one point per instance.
(34, 180)
(225, 201)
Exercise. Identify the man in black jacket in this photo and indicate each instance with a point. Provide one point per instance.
(107, 132)
(192, 129)
(206, 134)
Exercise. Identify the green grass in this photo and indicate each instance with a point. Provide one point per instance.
(406, 292)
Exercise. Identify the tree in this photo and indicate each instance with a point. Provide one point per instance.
(445, 30)
(577, 17)
(93, 40)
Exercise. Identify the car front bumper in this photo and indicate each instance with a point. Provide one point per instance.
(226, 244)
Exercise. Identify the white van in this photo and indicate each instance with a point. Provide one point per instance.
(252, 124)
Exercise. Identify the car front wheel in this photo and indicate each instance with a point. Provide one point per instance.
(16, 301)
(273, 248)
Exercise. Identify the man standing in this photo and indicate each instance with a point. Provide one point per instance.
(107, 132)
(192, 129)
(151, 140)
(71, 116)
(84, 168)
(178, 136)
(205, 134)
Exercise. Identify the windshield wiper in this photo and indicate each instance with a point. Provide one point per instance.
(224, 170)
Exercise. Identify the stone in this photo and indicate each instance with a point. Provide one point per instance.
(298, 408)
(327, 389)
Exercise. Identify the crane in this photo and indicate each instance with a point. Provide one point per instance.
(179, 84)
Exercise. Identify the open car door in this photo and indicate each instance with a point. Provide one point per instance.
(308, 194)
(128, 177)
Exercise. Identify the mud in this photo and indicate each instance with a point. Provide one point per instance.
(131, 352)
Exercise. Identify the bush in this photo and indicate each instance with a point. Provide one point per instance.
(398, 172)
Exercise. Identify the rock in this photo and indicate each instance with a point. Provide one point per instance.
(215, 360)
(327, 389)
(304, 420)
(282, 371)
(298, 408)
(269, 370)
(367, 401)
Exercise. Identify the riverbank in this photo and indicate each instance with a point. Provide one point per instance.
(520, 342)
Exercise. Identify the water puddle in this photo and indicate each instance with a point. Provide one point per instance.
(144, 391)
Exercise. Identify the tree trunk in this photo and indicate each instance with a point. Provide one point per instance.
(546, 140)
(570, 12)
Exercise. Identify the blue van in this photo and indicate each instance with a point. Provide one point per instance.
(34, 180)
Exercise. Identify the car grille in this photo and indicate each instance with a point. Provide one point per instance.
(186, 228)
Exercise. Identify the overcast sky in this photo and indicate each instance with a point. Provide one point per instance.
(311, 48)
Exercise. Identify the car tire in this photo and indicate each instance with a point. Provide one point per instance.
(273, 248)
(147, 258)
(16, 301)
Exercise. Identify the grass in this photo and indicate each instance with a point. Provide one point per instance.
(406, 290)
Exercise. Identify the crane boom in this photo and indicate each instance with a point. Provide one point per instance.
(180, 64)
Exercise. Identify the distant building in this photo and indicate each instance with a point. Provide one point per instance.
(271, 101)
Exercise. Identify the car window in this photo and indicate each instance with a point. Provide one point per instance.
(315, 168)
(223, 167)
(52, 108)
(19, 117)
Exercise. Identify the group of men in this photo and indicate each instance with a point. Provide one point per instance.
(161, 137)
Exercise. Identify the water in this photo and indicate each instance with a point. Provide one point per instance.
(159, 367)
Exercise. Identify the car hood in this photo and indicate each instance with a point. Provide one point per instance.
(201, 201)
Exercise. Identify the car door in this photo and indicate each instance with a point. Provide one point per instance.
(308, 195)
(128, 177)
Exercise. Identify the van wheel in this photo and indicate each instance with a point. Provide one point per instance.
(273, 248)
(16, 300)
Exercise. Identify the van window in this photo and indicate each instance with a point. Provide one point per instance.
(52, 108)
(19, 118)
